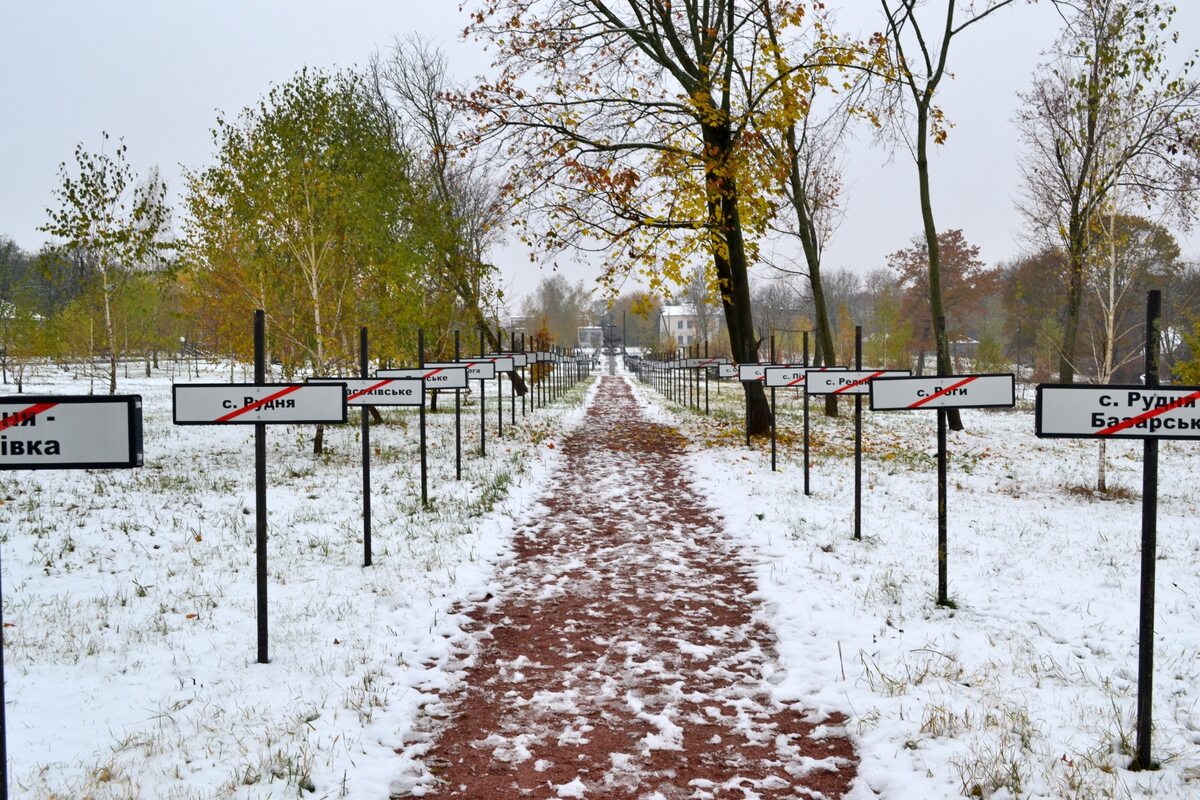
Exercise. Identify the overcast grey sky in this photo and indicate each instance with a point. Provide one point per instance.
(156, 71)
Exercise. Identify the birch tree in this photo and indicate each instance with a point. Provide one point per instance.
(1107, 114)
(308, 213)
(116, 223)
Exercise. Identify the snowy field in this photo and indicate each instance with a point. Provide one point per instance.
(129, 600)
(1027, 689)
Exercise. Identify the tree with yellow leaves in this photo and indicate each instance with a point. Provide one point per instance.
(630, 128)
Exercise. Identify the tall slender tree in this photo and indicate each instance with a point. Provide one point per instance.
(411, 84)
(920, 48)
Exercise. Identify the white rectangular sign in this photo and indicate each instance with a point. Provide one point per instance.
(543, 357)
(378, 391)
(451, 376)
(503, 362)
(748, 373)
(782, 377)
(70, 432)
(704, 363)
(1118, 412)
(477, 369)
(520, 360)
(948, 391)
(271, 403)
(849, 381)
(726, 371)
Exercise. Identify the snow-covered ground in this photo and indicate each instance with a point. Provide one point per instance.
(129, 601)
(1027, 689)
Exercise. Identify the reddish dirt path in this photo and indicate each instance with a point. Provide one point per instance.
(622, 658)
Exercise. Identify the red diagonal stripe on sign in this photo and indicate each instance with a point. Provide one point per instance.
(432, 373)
(941, 392)
(370, 389)
(24, 415)
(259, 403)
(798, 380)
(1154, 412)
(859, 382)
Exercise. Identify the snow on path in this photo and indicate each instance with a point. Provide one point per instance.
(624, 656)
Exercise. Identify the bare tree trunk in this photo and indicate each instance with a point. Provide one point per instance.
(733, 275)
(1066, 358)
(812, 256)
(936, 310)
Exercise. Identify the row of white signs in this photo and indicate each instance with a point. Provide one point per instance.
(65, 432)
(83, 432)
(1062, 410)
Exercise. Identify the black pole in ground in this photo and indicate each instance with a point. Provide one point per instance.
(943, 598)
(457, 414)
(512, 384)
(364, 372)
(706, 369)
(3, 721)
(858, 438)
(499, 389)
(482, 405)
(943, 547)
(806, 487)
(772, 408)
(424, 458)
(260, 488)
(1149, 549)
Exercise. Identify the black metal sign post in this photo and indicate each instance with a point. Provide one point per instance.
(366, 393)
(424, 455)
(64, 432)
(807, 491)
(706, 380)
(1145, 711)
(457, 414)
(260, 490)
(940, 393)
(858, 438)
(747, 416)
(943, 546)
(364, 372)
(772, 408)
(512, 384)
(1148, 412)
(3, 701)
(499, 389)
(693, 379)
(482, 406)
(259, 404)
(856, 382)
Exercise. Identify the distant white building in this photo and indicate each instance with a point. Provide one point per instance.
(680, 324)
